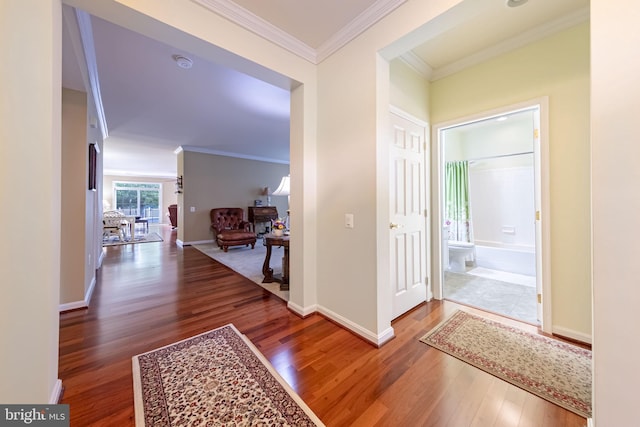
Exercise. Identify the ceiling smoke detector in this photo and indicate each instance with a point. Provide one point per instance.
(183, 61)
(516, 3)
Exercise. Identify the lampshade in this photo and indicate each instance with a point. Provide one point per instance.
(283, 188)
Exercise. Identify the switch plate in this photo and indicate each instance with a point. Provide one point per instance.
(192, 209)
(348, 220)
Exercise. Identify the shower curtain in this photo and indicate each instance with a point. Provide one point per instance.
(457, 210)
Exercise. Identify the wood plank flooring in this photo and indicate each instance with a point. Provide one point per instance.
(152, 294)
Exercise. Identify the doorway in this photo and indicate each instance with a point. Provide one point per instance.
(490, 176)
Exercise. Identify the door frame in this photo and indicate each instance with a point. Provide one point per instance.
(543, 201)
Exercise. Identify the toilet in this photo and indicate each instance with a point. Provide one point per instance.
(458, 252)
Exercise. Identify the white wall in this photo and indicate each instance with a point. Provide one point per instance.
(615, 108)
(502, 206)
(30, 158)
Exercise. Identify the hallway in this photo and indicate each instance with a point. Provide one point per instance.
(153, 294)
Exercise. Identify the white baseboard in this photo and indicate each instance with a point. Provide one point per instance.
(79, 304)
(377, 340)
(92, 286)
(196, 242)
(72, 306)
(574, 335)
(302, 311)
(56, 393)
(101, 258)
(367, 335)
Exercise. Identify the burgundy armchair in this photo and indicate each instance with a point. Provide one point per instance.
(230, 228)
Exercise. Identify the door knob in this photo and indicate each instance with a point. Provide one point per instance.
(394, 225)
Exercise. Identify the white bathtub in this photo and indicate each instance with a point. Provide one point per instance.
(520, 260)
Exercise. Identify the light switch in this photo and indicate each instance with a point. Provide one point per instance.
(192, 208)
(348, 220)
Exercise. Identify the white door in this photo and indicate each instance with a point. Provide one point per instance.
(408, 194)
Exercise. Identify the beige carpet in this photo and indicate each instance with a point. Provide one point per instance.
(218, 378)
(549, 368)
(248, 262)
(138, 238)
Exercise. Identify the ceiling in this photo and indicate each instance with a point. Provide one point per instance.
(151, 106)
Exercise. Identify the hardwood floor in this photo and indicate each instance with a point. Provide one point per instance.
(152, 294)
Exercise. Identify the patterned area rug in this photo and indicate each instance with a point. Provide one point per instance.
(217, 378)
(549, 368)
(138, 238)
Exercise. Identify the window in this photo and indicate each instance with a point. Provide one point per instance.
(138, 199)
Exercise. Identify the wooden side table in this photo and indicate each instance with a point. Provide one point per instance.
(270, 241)
(257, 214)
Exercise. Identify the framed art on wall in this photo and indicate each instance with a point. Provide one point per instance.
(93, 156)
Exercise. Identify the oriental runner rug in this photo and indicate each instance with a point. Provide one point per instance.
(551, 369)
(218, 378)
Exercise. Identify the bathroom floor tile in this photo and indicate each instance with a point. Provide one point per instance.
(509, 299)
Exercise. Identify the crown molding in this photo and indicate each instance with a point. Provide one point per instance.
(533, 35)
(417, 64)
(249, 21)
(357, 26)
(86, 37)
(204, 150)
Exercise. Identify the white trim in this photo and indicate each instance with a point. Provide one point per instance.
(249, 21)
(86, 35)
(196, 242)
(101, 258)
(401, 113)
(357, 26)
(204, 150)
(545, 209)
(56, 393)
(513, 43)
(89, 294)
(378, 340)
(87, 298)
(574, 335)
(72, 306)
(417, 64)
(302, 311)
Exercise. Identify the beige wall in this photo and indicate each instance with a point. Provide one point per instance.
(353, 177)
(74, 189)
(80, 206)
(30, 162)
(615, 105)
(409, 90)
(557, 67)
(212, 181)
